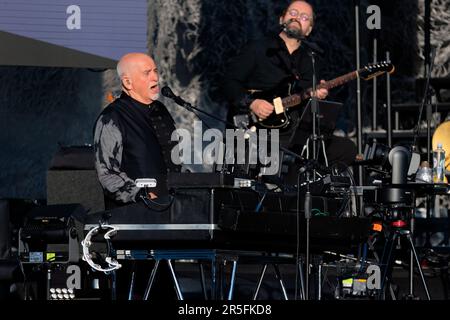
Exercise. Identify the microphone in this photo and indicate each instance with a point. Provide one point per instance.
(298, 35)
(168, 93)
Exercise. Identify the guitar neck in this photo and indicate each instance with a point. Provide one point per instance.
(295, 99)
(338, 81)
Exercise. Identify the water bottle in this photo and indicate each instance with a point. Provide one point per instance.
(424, 174)
(438, 164)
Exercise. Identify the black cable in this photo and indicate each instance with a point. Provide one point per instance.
(25, 279)
(297, 253)
(202, 120)
(426, 95)
(352, 179)
(343, 205)
(164, 206)
(259, 205)
(280, 204)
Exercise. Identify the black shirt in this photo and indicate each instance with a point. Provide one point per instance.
(263, 65)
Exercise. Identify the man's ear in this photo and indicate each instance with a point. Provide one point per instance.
(126, 82)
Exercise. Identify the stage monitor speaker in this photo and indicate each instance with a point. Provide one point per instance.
(72, 179)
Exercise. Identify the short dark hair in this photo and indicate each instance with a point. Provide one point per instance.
(292, 1)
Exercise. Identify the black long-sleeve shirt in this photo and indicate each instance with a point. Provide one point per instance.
(264, 64)
(132, 140)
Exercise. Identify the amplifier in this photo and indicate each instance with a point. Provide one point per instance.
(50, 234)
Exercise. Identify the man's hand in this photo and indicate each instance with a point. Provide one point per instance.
(152, 196)
(261, 108)
(321, 93)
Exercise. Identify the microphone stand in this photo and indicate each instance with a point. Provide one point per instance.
(313, 48)
(314, 110)
(315, 138)
(428, 92)
(193, 109)
(178, 100)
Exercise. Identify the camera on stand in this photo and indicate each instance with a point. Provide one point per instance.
(391, 171)
(395, 203)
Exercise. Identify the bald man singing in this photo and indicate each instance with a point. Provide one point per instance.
(132, 134)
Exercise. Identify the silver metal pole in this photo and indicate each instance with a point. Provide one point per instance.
(258, 286)
(280, 280)
(319, 284)
(388, 103)
(358, 91)
(358, 108)
(232, 281)
(374, 89)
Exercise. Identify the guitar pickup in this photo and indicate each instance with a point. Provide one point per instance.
(278, 104)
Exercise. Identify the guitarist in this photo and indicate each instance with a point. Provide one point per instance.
(266, 63)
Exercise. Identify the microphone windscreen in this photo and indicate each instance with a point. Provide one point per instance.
(167, 92)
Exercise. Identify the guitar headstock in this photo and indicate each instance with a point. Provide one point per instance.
(375, 69)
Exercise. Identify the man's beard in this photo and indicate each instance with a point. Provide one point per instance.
(294, 33)
(156, 95)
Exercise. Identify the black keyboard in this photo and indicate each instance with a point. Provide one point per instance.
(226, 219)
(199, 180)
